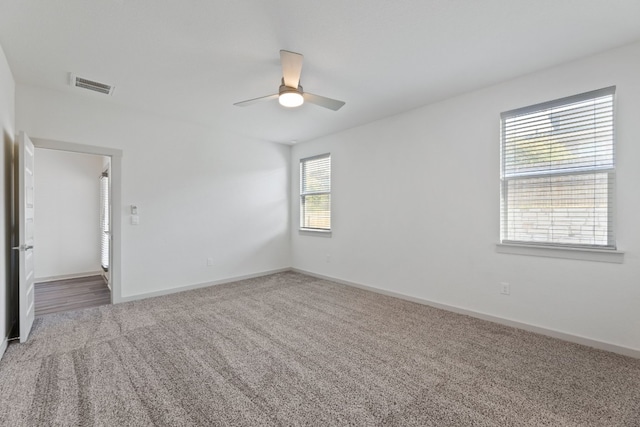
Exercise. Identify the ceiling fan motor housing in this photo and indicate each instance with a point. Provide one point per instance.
(286, 89)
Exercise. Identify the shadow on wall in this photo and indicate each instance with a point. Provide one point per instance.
(10, 280)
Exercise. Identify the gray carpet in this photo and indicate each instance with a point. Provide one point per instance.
(289, 349)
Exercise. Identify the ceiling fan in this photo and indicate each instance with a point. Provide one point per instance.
(291, 93)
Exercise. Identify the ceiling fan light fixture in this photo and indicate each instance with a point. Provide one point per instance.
(290, 98)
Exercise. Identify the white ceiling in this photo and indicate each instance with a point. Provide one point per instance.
(192, 60)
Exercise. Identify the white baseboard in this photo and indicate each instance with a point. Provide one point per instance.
(3, 346)
(577, 339)
(105, 276)
(66, 276)
(200, 285)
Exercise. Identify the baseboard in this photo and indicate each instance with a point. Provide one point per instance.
(3, 346)
(200, 285)
(105, 276)
(577, 339)
(66, 276)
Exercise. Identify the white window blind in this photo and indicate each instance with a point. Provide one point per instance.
(558, 172)
(315, 192)
(104, 220)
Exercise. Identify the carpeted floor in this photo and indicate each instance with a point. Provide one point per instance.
(289, 349)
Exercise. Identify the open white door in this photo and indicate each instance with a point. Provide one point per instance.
(25, 233)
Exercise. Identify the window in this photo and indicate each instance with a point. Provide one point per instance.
(558, 172)
(315, 193)
(104, 220)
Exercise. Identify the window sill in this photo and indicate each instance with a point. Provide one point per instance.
(314, 232)
(599, 255)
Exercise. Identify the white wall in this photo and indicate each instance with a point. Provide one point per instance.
(200, 192)
(67, 240)
(416, 209)
(7, 132)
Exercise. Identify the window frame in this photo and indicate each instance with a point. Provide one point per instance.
(304, 194)
(558, 249)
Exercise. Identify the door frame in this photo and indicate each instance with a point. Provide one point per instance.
(116, 201)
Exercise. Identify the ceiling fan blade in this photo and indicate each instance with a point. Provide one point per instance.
(291, 68)
(332, 104)
(255, 100)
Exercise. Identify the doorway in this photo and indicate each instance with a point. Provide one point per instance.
(111, 273)
(72, 215)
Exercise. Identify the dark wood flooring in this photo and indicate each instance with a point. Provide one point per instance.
(71, 294)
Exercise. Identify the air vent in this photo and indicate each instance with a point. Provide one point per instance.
(82, 83)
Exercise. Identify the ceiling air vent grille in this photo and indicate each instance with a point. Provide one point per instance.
(83, 83)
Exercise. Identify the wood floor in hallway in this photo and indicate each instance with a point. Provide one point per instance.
(71, 294)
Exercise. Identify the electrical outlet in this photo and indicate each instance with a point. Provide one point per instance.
(209, 262)
(328, 258)
(505, 288)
